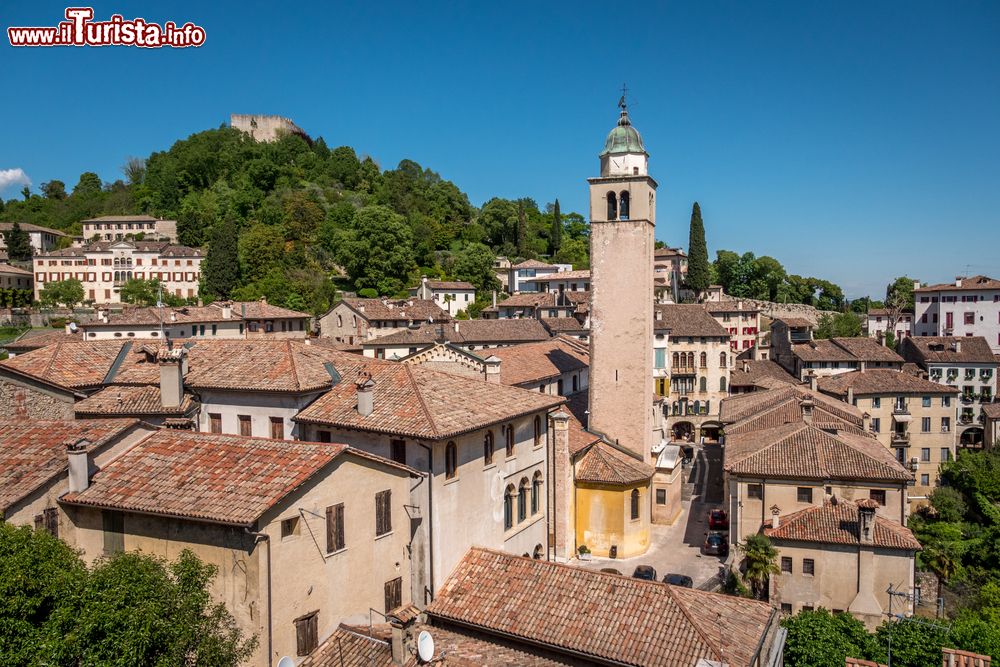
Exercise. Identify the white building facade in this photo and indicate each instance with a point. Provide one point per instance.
(967, 307)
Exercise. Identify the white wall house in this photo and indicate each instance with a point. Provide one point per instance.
(967, 307)
(452, 296)
(42, 239)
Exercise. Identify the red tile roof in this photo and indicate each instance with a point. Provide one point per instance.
(34, 453)
(971, 283)
(449, 285)
(469, 332)
(16, 270)
(603, 463)
(880, 381)
(581, 613)
(421, 403)
(261, 310)
(955, 658)
(844, 349)
(948, 349)
(547, 360)
(129, 400)
(749, 373)
(35, 338)
(28, 227)
(839, 523)
(687, 319)
(411, 310)
(208, 476)
(72, 364)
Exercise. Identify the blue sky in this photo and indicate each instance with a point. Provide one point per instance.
(852, 141)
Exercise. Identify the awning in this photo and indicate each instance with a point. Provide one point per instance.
(902, 418)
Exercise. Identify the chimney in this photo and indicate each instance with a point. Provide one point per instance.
(806, 404)
(958, 281)
(173, 316)
(227, 310)
(456, 326)
(79, 465)
(659, 315)
(850, 395)
(775, 519)
(958, 346)
(866, 520)
(69, 328)
(172, 364)
(492, 369)
(263, 300)
(401, 621)
(494, 298)
(916, 284)
(366, 394)
(813, 381)
(866, 421)
(746, 365)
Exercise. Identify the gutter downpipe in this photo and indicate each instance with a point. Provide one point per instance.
(430, 516)
(267, 540)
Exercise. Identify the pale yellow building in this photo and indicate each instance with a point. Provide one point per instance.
(912, 417)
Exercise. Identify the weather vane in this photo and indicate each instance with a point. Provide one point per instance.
(621, 102)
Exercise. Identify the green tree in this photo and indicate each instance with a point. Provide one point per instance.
(89, 184)
(698, 272)
(378, 254)
(821, 639)
(574, 251)
(474, 263)
(142, 292)
(760, 560)
(18, 243)
(67, 292)
(949, 504)
(522, 230)
(838, 325)
(914, 644)
(54, 190)
(221, 269)
(260, 248)
(555, 237)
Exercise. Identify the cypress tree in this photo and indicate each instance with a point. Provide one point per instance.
(18, 244)
(698, 271)
(556, 236)
(221, 268)
(522, 229)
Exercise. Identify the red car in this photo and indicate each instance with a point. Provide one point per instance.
(718, 520)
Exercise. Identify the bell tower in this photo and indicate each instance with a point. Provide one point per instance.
(622, 219)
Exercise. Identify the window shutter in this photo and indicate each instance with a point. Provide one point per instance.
(393, 594)
(383, 518)
(335, 528)
(51, 519)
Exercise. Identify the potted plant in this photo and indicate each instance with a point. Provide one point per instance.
(583, 552)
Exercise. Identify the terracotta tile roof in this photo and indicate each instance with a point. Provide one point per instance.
(410, 310)
(129, 400)
(537, 362)
(750, 372)
(449, 285)
(209, 476)
(992, 410)
(152, 316)
(951, 657)
(605, 464)
(861, 348)
(163, 248)
(942, 349)
(971, 283)
(687, 319)
(417, 402)
(261, 310)
(730, 307)
(533, 264)
(557, 325)
(880, 381)
(16, 270)
(75, 365)
(470, 332)
(838, 523)
(579, 438)
(802, 451)
(795, 322)
(582, 274)
(35, 338)
(28, 227)
(123, 218)
(668, 252)
(542, 300)
(858, 662)
(604, 616)
(34, 453)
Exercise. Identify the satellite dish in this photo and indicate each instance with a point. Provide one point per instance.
(425, 646)
(72, 326)
(286, 662)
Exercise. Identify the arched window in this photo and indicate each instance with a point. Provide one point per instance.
(722, 360)
(677, 360)
(538, 431)
(623, 207)
(488, 448)
(703, 357)
(450, 460)
(508, 507)
(722, 384)
(536, 492)
(612, 206)
(354, 321)
(690, 363)
(510, 439)
(635, 504)
(703, 383)
(340, 321)
(522, 500)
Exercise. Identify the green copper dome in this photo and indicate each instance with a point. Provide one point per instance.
(623, 138)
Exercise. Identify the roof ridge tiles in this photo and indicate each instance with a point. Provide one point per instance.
(420, 400)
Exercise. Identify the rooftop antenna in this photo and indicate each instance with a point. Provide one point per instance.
(621, 102)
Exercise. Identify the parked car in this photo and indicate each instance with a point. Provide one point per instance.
(644, 572)
(715, 545)
(611, 570)
(718, 520)
(679, 580)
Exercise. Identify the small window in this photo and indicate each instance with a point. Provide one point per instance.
(450, 460)
(508, 507)
(786, 564)
(335, 540)
(925, 424)
(324, 436)
(538, 431)
(48, 521)
(488, 448)
(808, 566)
(786, 608)
(634, 504)
(306, 635)
(277, 428)
(215, 422)
(877, 402)
(925, 454)
(246, 425)
(661, 496)
(510, 439)
(398, 451)
(393, 594)
(113, 524)
(536, 493)
(804, 494)
(926, 401)
(522, 500)
(289, 527)
(925, 480)
(755, 491)
(878, 495)
(383, 512)
(945, 454)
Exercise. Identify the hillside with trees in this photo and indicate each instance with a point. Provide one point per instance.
(279, 220)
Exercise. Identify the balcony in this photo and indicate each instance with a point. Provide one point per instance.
(683, 370)
(900, 409)
(900, 438)
(966, 419)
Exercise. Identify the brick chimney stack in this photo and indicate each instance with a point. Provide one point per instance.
(172, 364)
(79, 465)
(366, 394)
(492, 369)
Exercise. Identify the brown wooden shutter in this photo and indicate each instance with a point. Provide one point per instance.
(383, 515)
(335, 528)
(51, 521)
(393, 594)
(306, 633)
(245, 425)
(277, 428)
